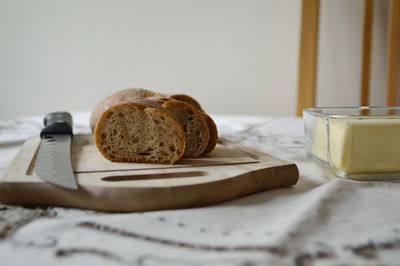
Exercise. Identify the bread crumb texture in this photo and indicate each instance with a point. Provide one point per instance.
(193, 124)
(132, 132)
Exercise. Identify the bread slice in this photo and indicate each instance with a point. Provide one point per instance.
(187, 99)
(139, 131)
(192, 121)
(115, 98)
(212, 132)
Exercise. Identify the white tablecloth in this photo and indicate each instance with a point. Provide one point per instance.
(319, 221)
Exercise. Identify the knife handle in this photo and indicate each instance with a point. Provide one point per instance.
(57, 123)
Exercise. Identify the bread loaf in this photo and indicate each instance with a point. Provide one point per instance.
(139, 131)
(192, 121)
(200, 133)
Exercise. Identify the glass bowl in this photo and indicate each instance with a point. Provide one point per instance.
(360, 143)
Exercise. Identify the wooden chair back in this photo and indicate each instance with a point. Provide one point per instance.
(306, 89)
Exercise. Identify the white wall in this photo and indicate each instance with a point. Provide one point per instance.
(235, 56)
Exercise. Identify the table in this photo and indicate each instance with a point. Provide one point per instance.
(319, 221)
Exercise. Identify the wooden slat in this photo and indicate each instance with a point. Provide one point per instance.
(308, 55)
(393, 51)
(366, 52)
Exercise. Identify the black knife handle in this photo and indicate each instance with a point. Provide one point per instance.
(57, 123)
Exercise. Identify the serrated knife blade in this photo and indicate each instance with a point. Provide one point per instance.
(53, 161)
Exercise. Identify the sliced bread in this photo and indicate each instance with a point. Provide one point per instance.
(192, 121)
(188, 117)
(139, 131)
(212, 132)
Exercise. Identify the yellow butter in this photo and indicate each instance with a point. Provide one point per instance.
(359, 145)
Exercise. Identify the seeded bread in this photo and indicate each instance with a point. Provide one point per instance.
(192, 121)
(139, 131)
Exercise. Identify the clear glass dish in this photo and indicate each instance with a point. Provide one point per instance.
(360, 143)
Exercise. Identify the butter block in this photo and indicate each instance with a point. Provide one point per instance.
(358, 145)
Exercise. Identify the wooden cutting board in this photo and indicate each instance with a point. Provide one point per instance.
(227, 173)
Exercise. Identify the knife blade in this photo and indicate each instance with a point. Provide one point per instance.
(53, 161)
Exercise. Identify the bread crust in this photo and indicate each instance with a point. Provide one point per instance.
(116, 98)
(213, 133)
(187, 99)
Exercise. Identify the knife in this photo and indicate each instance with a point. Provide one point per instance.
(53, 161)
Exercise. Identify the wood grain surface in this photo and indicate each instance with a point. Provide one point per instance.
(308, 55)
(393, 50)
(366, 52)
